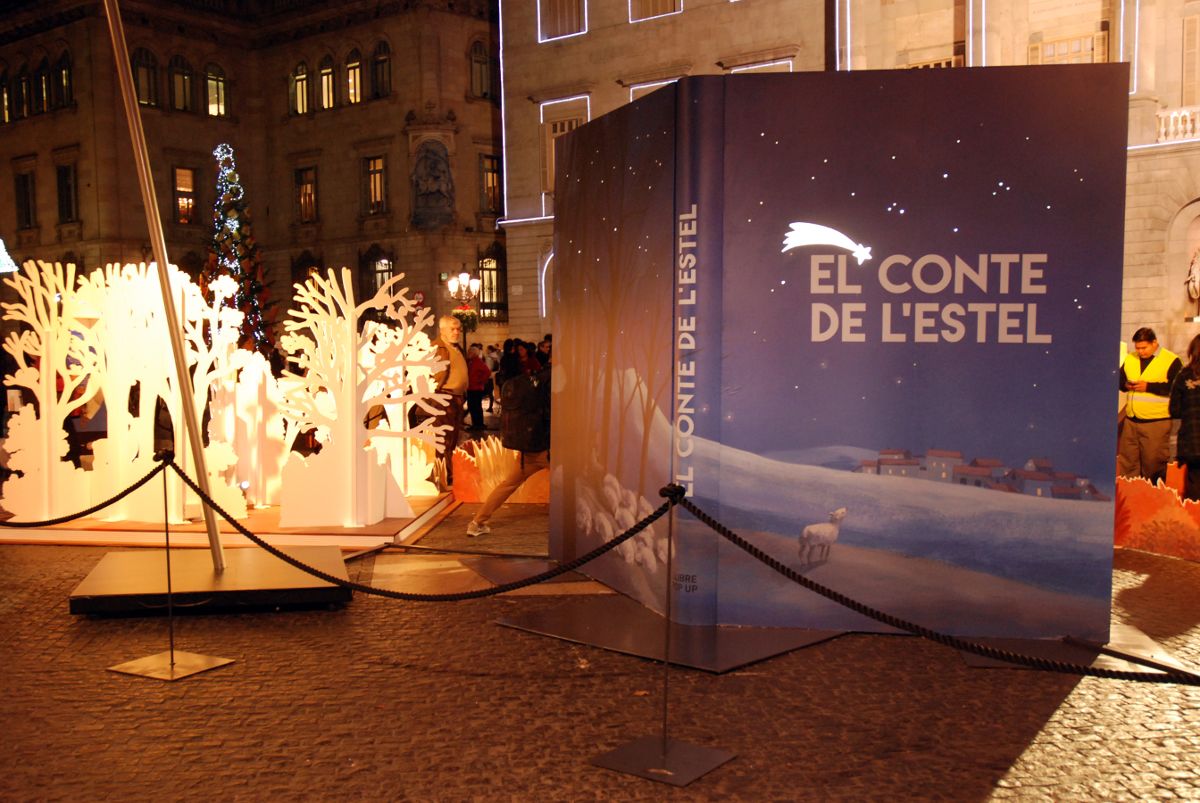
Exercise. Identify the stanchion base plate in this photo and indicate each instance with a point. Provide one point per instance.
(682, 763)
(160, 666)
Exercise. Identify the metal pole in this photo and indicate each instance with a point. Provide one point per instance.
(667, 629)
(170, 597)
(141, 158)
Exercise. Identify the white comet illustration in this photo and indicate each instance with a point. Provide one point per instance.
(803, 234)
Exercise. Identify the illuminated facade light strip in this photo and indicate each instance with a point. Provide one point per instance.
(649, 85)
(542, 284)
(970, 33)
(542, 38)
(1191, 141)
(586, 98)
(837, 36)
(587, 118)
(515, 221)
(849, 42)
(656, 16)
(760, 65)
(1137, 26)
(503, 108)
(983, 33)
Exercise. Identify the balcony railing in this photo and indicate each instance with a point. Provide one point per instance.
(1178, 124)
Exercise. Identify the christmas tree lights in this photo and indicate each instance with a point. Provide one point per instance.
(235, 254)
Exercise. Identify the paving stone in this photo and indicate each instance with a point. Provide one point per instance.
(384, 700)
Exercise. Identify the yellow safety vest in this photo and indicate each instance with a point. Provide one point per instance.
(1146, 405)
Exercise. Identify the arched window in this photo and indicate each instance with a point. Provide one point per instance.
(481, 71)
(62, 88)
(381, 71)
(41, 88)
(145, 76)
(214, 91)
(298, 89)
(354, 77)
(493, 285)
(179, 77)
(21, 94)
(325, 91)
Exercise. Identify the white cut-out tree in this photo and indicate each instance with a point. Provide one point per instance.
(57, 355)
(140, 370)
(247, 412)
(349, 365)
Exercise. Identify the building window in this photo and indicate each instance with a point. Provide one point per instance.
(26, 198)
(489, 184)
(381, 71)
(5, 100)
(381, 271)
(559, 18)
(21, 92)
(298, 89)
(68, 202)
(1191, 60)
(62, 87)
(374, 185)
(306, 194)
(214, 90)
(481, 71)
(493, 288)
(648, 9)
(145, 77)
(353, 77)
(937, 64)
(1087, 49)
(41, 88)
(179, 77)
(325, 91)
(558, 118)
(185, 195)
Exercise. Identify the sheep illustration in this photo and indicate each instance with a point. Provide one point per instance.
(816, 539)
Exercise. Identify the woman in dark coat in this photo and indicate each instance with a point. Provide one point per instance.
(1185, 405)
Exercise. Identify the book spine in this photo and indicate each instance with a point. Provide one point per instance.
(696, 364)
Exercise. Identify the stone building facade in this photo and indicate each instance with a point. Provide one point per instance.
(366, 134)
(569, 61)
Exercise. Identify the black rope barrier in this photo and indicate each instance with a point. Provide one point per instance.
(412, 597)
(675, 495)
(94, 508)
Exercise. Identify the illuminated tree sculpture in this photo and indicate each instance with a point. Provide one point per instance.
(56, 353)
(348, 367)
(235, 254)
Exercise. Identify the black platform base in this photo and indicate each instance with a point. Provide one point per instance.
(615, 622)
(664, 760)
(1128, 650)
(135, 582)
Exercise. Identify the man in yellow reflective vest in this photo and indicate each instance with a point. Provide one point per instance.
(1146, 376)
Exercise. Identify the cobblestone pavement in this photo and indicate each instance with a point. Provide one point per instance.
(384, 700)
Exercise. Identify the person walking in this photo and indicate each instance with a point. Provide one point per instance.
(525, 427)
(478, 375)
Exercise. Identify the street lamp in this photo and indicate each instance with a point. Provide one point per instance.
(463, 287)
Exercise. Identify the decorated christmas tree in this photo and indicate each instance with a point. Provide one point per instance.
(235, 254)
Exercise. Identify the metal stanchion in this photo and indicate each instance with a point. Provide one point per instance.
(172, 664)
(660, 758)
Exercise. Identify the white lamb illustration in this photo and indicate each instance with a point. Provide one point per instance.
(818, 538)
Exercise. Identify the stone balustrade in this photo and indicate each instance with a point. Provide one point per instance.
(1181, 123)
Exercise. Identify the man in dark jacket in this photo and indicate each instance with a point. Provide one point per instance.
(525, 427)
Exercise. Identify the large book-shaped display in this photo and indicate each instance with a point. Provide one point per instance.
(870, 321)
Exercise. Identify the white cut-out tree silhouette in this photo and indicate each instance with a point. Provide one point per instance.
(56, 354)
(349, 365)
(139, 370)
